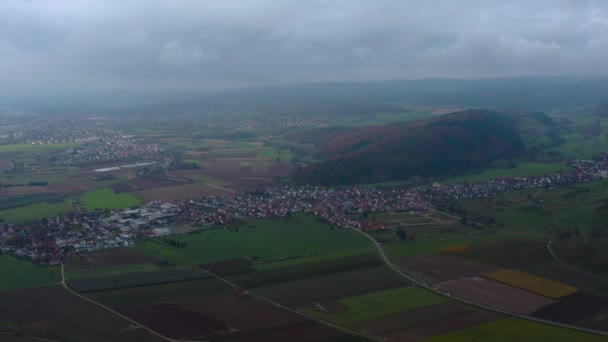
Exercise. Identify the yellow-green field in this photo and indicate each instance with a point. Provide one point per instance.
(532, 283)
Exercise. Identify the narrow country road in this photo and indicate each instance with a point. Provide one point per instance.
(65, 286)
(572, 266)
(595, 246)
(416, 282)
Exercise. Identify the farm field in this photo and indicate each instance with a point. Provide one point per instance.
(512, 329)
(434, 268)
(557, 271)
(500, 252)
(111, 271)
(24, 274)
(332, 287)
(495, 294)
(378, 304)
(598, 321)
(25, 150)
(107, 199)
(15, 201)
(36, 211)
(107, 258)
(397, 250)
(541, 286)
(299, 236)
(134, 279)
(236, 169)
(300, 271)
(544, 211)
(208, 309)
(522, 170)
(587, 257)
(574, 308)
(167, 292)
(284, 156)
(328, 257)
(145, 182)
(178, 192)
(424, 322)
(51, 312)
(577, 146)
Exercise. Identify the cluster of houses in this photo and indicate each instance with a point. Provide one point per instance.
(109, 148)
(50, 240)
(42, 131)
(581, 171)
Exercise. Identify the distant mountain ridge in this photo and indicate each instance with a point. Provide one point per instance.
(528, 93)
(439, 146)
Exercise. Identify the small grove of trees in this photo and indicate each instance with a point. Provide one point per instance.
(402, 235)
(175, 243)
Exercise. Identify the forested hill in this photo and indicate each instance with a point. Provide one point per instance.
(444, 145)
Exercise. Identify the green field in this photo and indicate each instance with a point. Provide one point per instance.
(107, 199)
(160, 293)
(38, 149)
(396, 250)
(522, 170)
(545, 211)
(512, 329)
(306, 270)
(579, 147)
(108, 271)
(325, 257)
(36, 211)
(379, 304)
(284, 156)
(269, 239)
(23, 274)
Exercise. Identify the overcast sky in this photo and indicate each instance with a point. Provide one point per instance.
(50, 46)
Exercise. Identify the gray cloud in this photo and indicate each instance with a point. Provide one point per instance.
(49, 46)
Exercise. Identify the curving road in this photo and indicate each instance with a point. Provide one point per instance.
(416, 282)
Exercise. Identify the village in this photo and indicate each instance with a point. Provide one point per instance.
(49, 240)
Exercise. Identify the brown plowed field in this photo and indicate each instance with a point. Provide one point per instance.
(299, 332)
(110, 258)
(434, 268)
(241, 312)
(421, 323)
(174, 320)
(25, 190)
(495, 294)
(573, 308)
(554, 270)
(332, 287)
(203, 316)
(144, 183)
(57, 314)
(178, 193)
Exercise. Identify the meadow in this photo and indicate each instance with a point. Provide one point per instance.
(107, 199)
(545, 211)
(17, 274)
(299, 236)
(36, 211)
